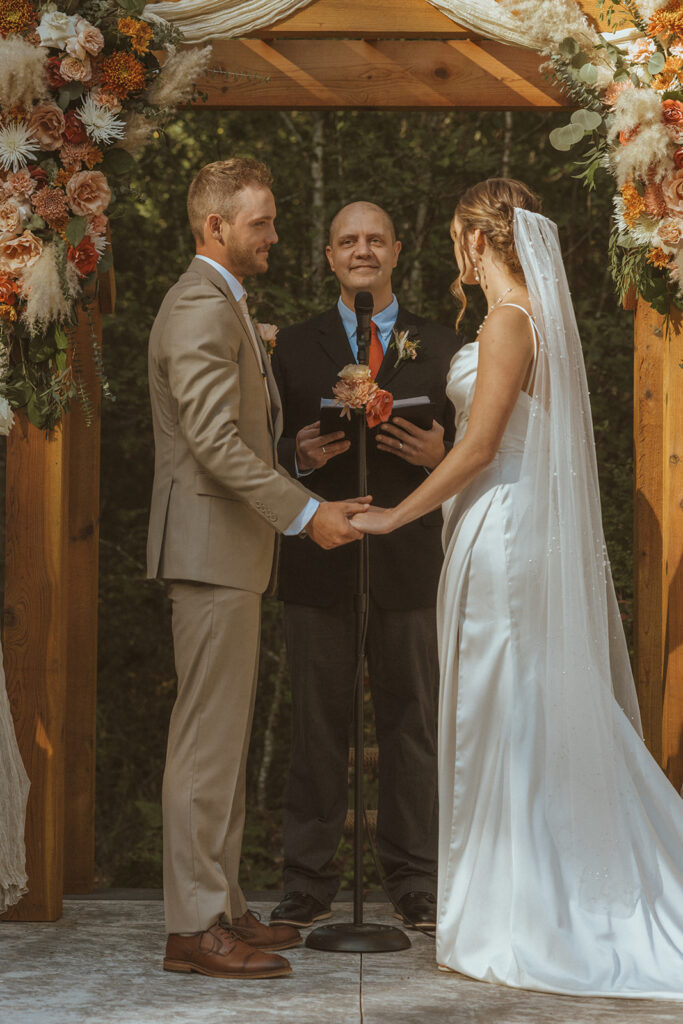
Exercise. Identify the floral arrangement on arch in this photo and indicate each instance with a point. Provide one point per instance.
(357, 390)
(628, 85)
(81, 93)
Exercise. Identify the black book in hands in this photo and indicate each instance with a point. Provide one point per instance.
(419, 410)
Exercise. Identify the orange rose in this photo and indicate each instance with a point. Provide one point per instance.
(8, 289)
(88, 193)
(378, 409)
(84, 256)
(672, 111)
(47, 124)
(669, 233)
(625, 137)
(672, 189)
(678, 157)
(16, 254)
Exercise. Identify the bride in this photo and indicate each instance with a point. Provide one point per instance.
(561, 841)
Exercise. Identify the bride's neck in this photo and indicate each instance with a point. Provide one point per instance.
(498, 284)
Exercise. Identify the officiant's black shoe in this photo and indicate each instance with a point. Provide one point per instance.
(300, 909)
(417, 910)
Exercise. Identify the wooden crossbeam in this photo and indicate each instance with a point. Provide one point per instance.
(383, 74)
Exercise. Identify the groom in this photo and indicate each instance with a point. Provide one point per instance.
(318, 587)
(218, 499)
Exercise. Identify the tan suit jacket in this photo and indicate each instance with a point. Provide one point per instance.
(219, 495)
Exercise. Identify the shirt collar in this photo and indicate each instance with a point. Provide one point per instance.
(384, 320)
(233, 284)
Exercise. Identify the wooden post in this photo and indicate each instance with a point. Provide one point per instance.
(36, 596)
(82, 594)
(658, 534)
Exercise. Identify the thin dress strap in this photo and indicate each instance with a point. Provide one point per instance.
(533, 327)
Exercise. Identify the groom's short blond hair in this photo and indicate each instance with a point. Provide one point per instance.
(216, 187)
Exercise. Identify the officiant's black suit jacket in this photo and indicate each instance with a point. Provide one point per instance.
(404, 565)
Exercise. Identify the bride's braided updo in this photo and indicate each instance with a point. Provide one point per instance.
(490, 206)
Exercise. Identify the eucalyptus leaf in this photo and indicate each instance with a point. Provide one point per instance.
(589, 120)
(579, 59)
(36, 410)
(565, 137)
(69, 92)
(35, 223)
(656, 62)
(118, 161)
(589, 74)
(60, 361)
(75, 230)
(133, 6)
(621, 76)
(568, 47)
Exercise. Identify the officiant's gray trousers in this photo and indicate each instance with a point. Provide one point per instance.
(402, 660)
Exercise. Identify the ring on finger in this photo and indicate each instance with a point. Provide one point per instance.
(400, 446)
(324, 452)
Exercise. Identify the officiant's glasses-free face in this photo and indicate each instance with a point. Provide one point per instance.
(363, 252)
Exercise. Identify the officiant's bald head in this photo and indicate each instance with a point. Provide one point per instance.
(361, 209)
(363, 251)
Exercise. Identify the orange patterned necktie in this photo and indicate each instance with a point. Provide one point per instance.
(376, 351)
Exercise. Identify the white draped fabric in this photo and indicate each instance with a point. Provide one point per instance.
(202, 20)
(14, 786)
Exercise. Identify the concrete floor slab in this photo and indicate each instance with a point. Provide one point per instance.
(101, 964)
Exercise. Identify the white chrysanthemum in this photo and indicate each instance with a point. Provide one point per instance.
(99, 242)
(644, 229)
(18, 145)
(101, 124)
(647, 156)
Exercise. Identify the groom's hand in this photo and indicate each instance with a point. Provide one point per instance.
(314, 449)
(412, 444)
(330, 526)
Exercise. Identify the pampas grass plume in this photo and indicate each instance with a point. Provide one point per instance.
(23, 76)
(647, 156)
(175, 81)
(138, 131)
(45, 298)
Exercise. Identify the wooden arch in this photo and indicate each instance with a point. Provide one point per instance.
(381, 54)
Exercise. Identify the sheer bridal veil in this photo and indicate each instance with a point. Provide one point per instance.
(581, 654)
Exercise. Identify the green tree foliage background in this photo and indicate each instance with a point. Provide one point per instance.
(416, 165)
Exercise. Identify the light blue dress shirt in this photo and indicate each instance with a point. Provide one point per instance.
(238, 290)
(384, 321)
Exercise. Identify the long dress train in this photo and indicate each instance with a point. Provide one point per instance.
(511, 907)
(14, 787)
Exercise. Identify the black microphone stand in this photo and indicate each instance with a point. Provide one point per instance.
(359, 937)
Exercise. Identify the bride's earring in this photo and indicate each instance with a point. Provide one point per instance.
(476, 268)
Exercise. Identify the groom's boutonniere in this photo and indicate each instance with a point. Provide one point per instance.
(268, 333)
(406, 344)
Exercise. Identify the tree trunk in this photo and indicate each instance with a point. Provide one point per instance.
(318, 225)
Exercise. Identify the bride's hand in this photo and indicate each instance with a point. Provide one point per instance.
(376, 520)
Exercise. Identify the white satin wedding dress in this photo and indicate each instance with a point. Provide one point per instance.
(560, 865)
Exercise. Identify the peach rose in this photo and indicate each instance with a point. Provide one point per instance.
(74, 49)
(378, 409)
(11, 219)
(20, 184)
(74, 70)
(672, 189)
(88, 193)
(355, 372)
(89, 37)
(105, 99)
(16, 254)
(97, 225)
(670, 233)
(47, 124)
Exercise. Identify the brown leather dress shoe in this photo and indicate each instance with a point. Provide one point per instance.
(250, 929)
(220, 953)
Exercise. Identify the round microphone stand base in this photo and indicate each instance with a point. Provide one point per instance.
(358, 938)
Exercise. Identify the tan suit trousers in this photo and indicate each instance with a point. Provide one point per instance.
(216, 642)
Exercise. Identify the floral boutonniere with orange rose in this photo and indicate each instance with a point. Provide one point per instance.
(81, 93)
(405, 343)
(357, 390)
(268, 335)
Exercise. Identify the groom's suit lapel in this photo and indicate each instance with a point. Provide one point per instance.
(274, 404)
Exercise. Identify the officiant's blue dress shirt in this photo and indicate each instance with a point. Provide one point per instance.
(384, 321)
(238, 290)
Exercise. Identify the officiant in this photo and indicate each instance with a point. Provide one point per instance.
(410, 357)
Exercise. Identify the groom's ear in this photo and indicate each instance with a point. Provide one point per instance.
(213, 227)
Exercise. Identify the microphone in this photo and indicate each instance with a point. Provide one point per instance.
(363, 304)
